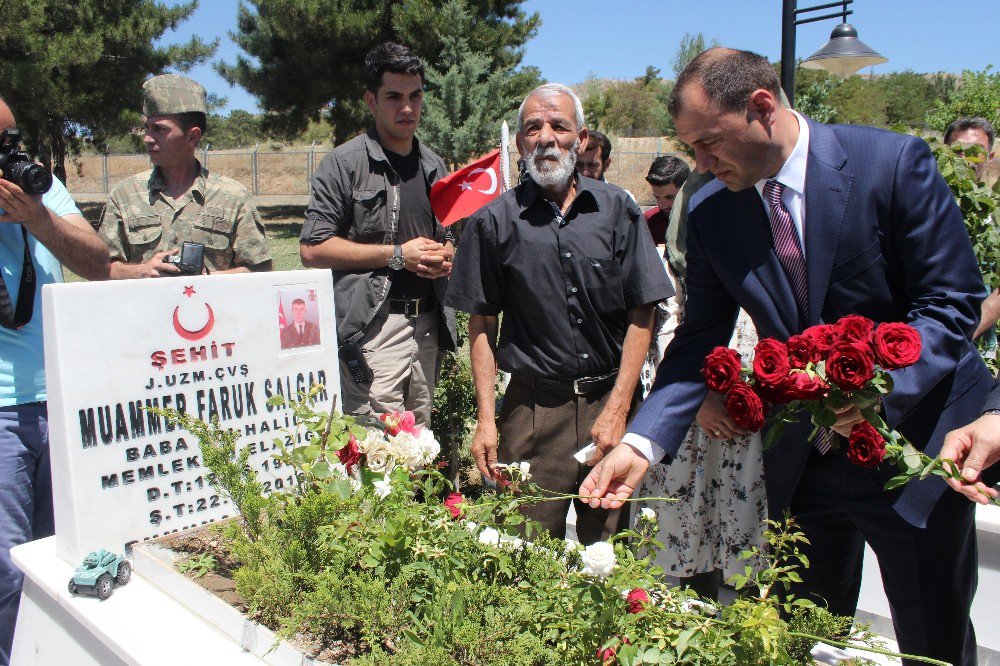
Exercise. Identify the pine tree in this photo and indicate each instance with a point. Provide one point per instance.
(73, 71)
(467, 98)
(303, 57)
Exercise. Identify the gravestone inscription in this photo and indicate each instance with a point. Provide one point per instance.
(213, 347)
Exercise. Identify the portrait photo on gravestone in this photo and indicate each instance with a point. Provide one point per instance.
(298, 312)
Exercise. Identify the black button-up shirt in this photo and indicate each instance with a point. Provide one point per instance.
(564, 284)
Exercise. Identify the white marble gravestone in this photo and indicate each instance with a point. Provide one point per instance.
(210, 346)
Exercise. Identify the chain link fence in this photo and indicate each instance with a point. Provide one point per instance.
(288, 172)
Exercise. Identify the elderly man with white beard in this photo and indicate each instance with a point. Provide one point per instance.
(570, 263)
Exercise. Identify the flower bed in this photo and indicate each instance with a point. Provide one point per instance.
(373, 560)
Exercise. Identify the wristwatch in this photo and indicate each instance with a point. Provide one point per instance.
(396, 262)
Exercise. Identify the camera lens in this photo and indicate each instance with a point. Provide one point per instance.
(30, 177)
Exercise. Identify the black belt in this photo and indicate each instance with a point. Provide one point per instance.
(581, 386)
(411, 307)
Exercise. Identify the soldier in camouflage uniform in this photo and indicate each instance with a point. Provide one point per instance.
(148, 216)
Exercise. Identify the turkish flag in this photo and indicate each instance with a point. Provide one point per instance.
(462, 193)
(282, 322)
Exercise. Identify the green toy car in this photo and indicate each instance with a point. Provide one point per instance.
(98, 574)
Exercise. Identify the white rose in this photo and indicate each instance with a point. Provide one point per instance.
(372, 441)
(489, 536)
(383, 487)
(598, 559)
(524, 467)
(571, 546)
(647, 515)
(379, 461)
(404, 448)
(428, 446)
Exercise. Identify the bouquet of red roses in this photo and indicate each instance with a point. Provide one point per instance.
(820, 371)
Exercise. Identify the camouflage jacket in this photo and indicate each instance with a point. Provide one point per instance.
(141, 219)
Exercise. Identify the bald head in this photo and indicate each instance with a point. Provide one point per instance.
(728, 78)
(6, 117)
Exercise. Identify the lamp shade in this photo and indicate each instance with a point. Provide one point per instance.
(844, 54)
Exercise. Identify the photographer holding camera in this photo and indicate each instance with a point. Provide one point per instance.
(167, 221)
(40, 229)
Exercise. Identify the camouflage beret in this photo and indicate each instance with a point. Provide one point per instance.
(168, 94)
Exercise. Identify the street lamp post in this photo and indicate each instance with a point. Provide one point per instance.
(843, 55)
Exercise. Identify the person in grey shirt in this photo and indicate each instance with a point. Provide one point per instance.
(369, 220)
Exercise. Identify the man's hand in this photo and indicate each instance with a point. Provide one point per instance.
(608, 429)
(848, 416)
(156, 267)
(714, 419)
(433, 260)
(615, 478)
(21, 207)
(974, 448)
(990, 314)
(484, 449)
(427, 258)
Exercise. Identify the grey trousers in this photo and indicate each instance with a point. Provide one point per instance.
(403, 355)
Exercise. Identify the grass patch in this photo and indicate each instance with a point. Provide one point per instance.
(283, 224)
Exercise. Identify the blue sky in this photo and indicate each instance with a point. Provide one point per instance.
(619, 39)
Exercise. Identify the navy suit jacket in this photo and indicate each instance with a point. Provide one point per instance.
(884, 239)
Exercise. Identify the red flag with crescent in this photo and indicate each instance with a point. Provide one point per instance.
(282, 322)
(462, 193)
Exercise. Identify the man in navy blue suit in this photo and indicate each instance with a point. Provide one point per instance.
(807, 223)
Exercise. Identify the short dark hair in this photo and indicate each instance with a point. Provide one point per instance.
(728, 77)
(971, 123)
(668, 169)
(298, 301)
(600, 140)
(390, 57)
(192, 119)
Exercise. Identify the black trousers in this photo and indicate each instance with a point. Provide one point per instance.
(929, 574)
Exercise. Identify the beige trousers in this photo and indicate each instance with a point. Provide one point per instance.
(403, 355)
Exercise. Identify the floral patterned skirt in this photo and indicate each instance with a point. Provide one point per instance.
(721, 507)
(719, 485)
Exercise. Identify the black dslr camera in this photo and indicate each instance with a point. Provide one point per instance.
(18, 168)
(191, 260)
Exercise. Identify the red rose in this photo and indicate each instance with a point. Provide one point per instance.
(608, 655)
(721, 369)
(349, 454)
(770, 361)
(823, 336)
(637, 600)
(452, 502)
(796, 386)
(866, 446)
(745, 407)
(855, 328)
(801, 351)
(897, 345)
(850, 365)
